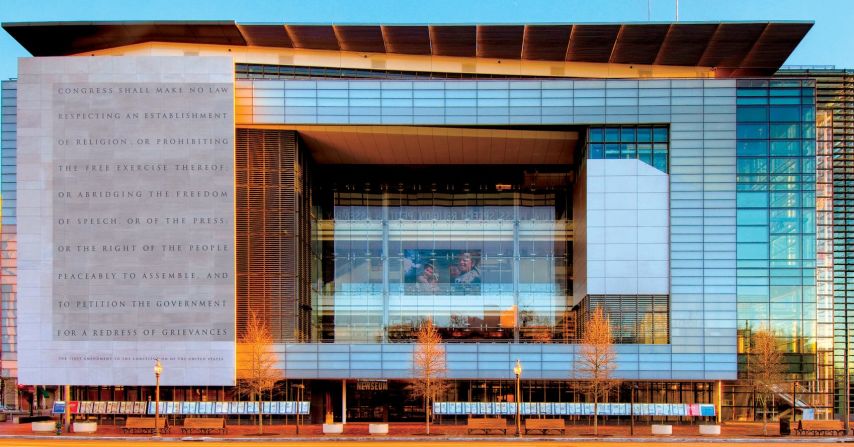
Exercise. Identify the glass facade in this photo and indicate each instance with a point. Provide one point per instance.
(776, 228)
(482, 102)
(8, 241)
(835, 172)
(485, 259)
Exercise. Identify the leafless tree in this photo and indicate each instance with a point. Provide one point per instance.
(597, 361)
(766, 370)
(256, 371)
(429, 367)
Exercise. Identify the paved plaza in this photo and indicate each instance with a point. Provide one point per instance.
(413, 434)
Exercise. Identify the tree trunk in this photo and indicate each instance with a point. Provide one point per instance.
(260, 417)
(595, 414)
(427, 406)
(765, 418)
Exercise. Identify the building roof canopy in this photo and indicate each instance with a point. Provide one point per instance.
(738, 49)
(424, 145)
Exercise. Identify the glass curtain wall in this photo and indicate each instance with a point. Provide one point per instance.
(824, 257)
(8, 246)
(776, 242)
(482, 261)
(835, 215)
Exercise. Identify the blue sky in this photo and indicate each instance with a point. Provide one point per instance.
(831, 41)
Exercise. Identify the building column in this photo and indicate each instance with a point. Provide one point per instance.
(67, 396)
(343, 401)
(717, 397)
(385, 260)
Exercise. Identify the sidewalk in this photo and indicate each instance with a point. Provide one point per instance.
(730, 432)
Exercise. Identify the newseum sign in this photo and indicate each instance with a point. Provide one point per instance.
(126, 220)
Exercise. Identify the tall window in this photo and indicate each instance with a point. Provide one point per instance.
(776, 223)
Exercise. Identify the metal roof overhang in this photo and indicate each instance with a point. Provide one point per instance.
(736, 49)
(424, 145)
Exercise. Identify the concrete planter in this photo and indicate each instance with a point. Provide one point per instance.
(43, 426)
(378, 429)
(85, 427)
(710, 430)
(333, 429)
(662, 430)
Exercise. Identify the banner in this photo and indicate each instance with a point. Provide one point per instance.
(572, 409)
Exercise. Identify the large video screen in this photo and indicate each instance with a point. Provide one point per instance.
(428, 272)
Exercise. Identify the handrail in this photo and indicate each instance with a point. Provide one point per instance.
(786, 395)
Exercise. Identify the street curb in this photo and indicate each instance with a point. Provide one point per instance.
(719, 440)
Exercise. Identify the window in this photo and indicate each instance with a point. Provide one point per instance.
(649, 144)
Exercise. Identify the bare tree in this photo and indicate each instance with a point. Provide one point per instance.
(596, 361)
(257, 372)
(429, 367)
(766, 370)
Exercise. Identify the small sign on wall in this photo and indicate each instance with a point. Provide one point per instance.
(372, 385)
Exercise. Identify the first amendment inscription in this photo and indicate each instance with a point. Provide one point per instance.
(139, 194)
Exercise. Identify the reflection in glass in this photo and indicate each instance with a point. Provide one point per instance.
(631, 143)
(478, 265)
(775, 240)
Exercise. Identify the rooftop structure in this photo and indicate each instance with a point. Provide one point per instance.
(734, 49)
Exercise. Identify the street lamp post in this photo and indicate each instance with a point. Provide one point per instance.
(517, 370)
(158, 369)
(632, 411)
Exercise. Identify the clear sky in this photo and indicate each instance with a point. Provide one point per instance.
(830, 42)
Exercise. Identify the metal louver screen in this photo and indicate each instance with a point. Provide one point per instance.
(268, 243)
(642, 319)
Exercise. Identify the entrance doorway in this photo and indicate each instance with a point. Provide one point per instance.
(368, 401)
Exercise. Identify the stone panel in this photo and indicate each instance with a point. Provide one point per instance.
(128, 256)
